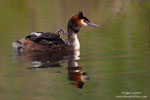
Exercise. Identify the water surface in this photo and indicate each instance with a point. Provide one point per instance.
(114, 58)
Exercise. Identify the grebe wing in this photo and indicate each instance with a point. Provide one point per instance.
(47, 38)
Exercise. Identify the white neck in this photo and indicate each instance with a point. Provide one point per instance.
(74, 42)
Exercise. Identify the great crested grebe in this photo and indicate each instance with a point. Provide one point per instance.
(39, 41)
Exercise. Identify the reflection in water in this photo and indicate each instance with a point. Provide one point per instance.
(75, 72)
(50, 60)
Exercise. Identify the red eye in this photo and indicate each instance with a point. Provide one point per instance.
(85, 21)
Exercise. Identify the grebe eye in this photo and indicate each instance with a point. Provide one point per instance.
(85, 21)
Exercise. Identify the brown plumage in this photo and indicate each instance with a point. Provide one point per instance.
(44, 42)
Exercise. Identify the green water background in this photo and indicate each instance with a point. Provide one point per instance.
(115, 56)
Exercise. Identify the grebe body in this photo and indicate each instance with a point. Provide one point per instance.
(39, 41)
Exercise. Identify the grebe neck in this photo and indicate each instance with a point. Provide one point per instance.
(73, 41)
(73, 30)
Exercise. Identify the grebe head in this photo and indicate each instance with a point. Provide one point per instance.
(77, 21)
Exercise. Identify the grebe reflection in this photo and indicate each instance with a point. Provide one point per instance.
(39, 60)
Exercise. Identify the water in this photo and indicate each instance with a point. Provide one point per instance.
(114, 59)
